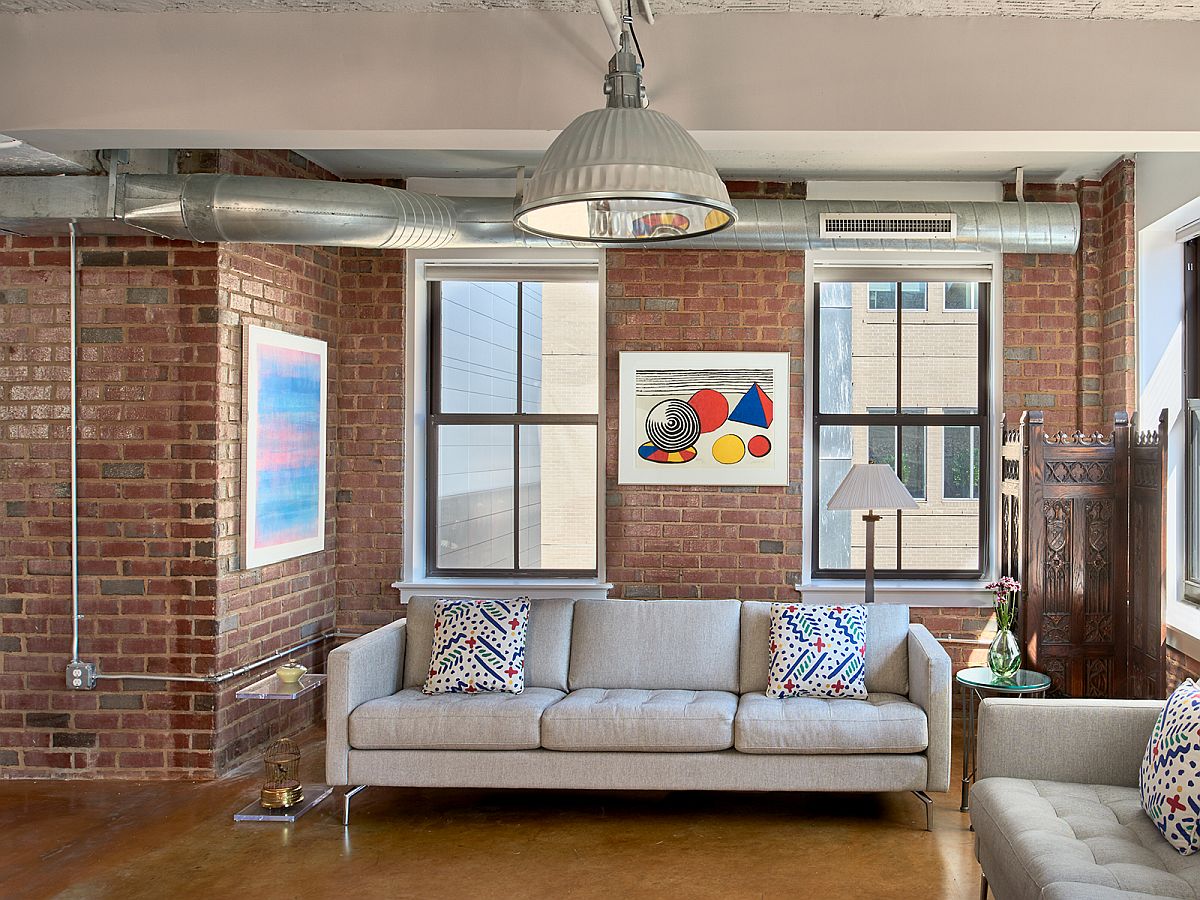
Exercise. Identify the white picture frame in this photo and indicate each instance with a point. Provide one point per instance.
(718, 433)
(285, 387)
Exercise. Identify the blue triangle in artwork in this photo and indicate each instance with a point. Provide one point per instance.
(755, 408)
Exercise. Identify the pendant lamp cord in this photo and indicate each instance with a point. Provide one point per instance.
(632, 32)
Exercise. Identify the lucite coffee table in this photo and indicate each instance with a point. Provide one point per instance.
(973, 684)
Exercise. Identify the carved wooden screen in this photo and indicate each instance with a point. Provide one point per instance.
(1012, 533)
(1147, 555)
(1075, 558)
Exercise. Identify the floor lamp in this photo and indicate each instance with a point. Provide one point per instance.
(871, 486)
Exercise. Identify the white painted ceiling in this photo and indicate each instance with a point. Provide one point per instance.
(1054, 9)
(870, 161)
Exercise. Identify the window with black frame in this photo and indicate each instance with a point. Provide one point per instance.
(905, 384)
(1191, 390)
(513, 429)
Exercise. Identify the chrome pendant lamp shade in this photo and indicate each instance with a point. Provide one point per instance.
(624, 173)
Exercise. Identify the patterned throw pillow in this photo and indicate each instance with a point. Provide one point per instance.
(818, 651)
(1167, 781)
(478, 645)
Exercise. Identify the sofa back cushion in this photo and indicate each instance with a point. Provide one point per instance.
(689, 645)
(887, 647)
(547, 642)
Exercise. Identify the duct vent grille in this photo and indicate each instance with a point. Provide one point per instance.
(889, 225)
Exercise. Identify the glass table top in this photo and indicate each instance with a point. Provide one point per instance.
(1023, 681)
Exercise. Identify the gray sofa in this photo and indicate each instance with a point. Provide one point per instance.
(628, 695)
(1056, 808)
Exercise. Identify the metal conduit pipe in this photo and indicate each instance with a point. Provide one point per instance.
(74, 314)
(219, 677)
(330, 213)
(241, 208)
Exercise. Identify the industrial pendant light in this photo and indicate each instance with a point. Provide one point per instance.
(624, 173)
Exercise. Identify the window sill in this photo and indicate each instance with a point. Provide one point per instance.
(913, 593)
(535, 588)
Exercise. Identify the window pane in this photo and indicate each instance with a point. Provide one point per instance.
(558, 497)
(962, 296)
(881, 445)
(842, 538)
(913, 296)
(479, 347)
(912, 460)
(940, 365)
(560, 336)
(942, 534)
(960, 463)
(475, 497)
(881, 295)
(857, 354)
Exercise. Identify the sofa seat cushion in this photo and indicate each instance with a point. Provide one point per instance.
(882, 723)
(638, 720)
(1045, 838)
(412, 720)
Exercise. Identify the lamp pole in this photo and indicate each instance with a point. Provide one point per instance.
(870, 518)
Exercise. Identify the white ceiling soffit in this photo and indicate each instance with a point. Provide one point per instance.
(1046, 9)
(867, 161)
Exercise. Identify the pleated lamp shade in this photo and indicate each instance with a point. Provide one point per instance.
(871, 486)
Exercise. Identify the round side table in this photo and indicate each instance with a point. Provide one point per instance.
(973, 685)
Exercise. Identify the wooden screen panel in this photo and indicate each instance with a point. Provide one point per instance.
(1074, 558)
(1147, 556)
(1012, 490)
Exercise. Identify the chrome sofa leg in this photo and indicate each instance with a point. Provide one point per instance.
(347, 793)
(983, 887)
(928, 801)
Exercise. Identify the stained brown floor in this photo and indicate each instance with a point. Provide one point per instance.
(167, 840)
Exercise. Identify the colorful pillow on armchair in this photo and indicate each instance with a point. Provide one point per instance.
(1170, 795)
(478, 646)
(818, 651)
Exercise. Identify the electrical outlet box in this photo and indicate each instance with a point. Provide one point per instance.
(81, 676)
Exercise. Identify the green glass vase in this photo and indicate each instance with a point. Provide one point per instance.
(1004, 655)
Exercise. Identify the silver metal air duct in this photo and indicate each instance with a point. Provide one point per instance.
(795, 225)
(243, 208)
(331, 213)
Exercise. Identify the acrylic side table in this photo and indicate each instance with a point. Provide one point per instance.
(272, 688)
(973, 684)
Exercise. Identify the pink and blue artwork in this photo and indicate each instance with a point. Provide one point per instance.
(285, 435)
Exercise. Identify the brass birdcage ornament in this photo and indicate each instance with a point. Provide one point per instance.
(282, 787)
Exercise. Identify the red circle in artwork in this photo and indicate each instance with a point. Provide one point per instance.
(759, 445)
(712, 408)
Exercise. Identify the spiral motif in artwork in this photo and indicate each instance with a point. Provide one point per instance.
(673, 425)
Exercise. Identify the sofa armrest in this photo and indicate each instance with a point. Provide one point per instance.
(1078, 741)
(929, 687)
(367, 668)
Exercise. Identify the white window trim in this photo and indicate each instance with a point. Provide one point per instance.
(932, 593)
(413, 579)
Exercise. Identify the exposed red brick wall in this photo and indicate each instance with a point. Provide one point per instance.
(1041, 328)
(147, 360)
(370, 437)
(705, 542)
(266, 609)
(1068, 327)
(1180, 667)
(1118, 258)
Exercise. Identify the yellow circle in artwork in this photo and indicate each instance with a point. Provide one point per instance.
(728, 449)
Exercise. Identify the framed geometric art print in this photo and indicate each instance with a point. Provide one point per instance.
(283, 477)
(703, 418)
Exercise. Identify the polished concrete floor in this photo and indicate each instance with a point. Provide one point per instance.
(78, 839)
